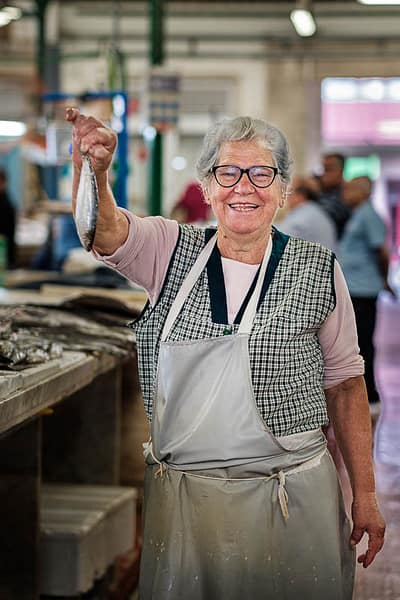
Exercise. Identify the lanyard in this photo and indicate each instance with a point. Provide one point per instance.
(194, 274)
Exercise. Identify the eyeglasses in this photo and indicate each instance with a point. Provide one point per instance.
(261, 176)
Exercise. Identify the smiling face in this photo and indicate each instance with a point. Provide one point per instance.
(245, 210)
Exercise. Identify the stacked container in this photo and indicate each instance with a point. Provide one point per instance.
(83, 529)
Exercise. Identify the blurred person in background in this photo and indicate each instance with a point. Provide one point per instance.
(7, 219)
(305, 217)
(331, 196)
(246, 347)
(365, 261)
(191, 206)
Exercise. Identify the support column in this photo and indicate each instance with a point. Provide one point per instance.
(156, 144)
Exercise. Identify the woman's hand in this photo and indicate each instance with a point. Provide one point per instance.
(349, 413)
(89, 135)
(367, 519)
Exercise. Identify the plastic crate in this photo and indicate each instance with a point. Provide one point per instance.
(116, 509)
(72, 550)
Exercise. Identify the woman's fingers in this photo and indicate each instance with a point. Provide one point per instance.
(89, 135)
(367, 519)
(98, 136)
(375, 543)
(71, 114)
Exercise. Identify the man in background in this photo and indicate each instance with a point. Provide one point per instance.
(7, 219)
(364, 260)
(305, 218)
(331, 197)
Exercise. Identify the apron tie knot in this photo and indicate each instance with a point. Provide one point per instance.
(283, 495)
(162, 467)
(161, 471)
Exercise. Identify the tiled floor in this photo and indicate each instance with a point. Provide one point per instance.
(381, 581)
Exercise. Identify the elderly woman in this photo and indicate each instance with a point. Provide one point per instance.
(246, 348)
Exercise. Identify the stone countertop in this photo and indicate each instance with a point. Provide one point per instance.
(25, 394)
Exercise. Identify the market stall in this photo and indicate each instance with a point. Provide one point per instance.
(73, 417)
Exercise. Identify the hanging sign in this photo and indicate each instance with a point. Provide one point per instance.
(163, 100)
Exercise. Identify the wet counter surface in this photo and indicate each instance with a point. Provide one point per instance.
(25, 394)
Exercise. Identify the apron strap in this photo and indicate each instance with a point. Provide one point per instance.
(246, 322)
(187, 286)
(193, 275)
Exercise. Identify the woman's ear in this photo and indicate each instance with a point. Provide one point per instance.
(282, 199)
(206, 196)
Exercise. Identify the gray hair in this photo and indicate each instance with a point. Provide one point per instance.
(243, 129)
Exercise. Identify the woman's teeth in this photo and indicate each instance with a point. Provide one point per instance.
(243, 207)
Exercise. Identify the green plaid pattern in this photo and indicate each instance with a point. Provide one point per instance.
(285, 356)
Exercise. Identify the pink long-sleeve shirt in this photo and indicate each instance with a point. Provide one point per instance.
(144, 258)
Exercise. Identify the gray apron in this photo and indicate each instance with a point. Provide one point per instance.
(232, 512)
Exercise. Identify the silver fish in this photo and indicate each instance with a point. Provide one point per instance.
(87, 204)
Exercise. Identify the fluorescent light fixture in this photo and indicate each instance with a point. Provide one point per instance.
(4, 19)
(9, 13)
(12, 128)
(380, 2)
(303, 22)
(13, 12)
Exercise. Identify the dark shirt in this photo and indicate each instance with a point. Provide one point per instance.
(7, 226)
(331, 201)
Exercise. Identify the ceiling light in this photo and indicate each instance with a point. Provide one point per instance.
(380, 2)
(12, 11)
(302, 19)
(9, 13)
(4, 19)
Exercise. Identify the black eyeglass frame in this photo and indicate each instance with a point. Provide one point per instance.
(247, 171)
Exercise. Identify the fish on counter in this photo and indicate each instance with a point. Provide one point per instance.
(24, 349)
(33, 334)
(87, 204)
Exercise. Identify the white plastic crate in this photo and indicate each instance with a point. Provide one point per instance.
(117, 503)
(72, 550)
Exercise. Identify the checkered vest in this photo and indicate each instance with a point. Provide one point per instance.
(285, 355)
